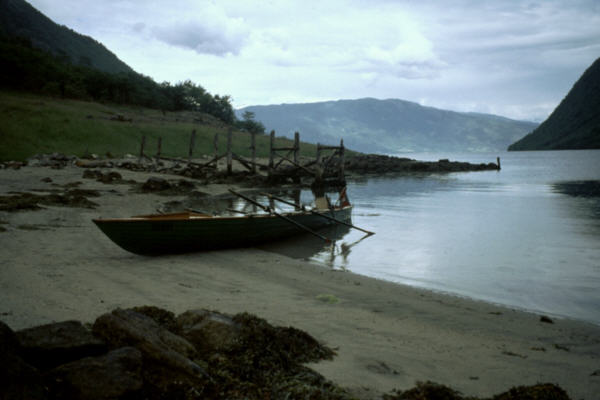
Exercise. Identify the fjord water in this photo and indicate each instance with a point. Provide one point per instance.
(527, 236)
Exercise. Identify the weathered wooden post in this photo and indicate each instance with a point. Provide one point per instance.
(192, 143)
(342, 157)
(271, 153)
(142, 148)
(296, 146)
(216, 144)
(318, 168)
(498, 162)
(271, 203)
(229, 157)
(158, 150)
(253, 150)
(297, 199)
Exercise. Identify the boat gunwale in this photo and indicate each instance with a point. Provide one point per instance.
(191, 216)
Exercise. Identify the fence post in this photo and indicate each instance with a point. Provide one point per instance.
(253, 148)
(229, 139)
(318, 169)
(342, 157)
(216, 144)
(158, 150)
(192, 142)
(142, 148)
(296, 146)
(271, 155)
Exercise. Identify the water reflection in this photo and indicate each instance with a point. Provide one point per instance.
(307, 247)
(525, 237)
(584, 201)
(578, 188)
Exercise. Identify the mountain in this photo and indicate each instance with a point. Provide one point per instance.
(575, 123)
(19, 18)
(390, 126)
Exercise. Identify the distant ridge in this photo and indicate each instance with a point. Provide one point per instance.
(575, 123)
(19, 18)
(391, 126)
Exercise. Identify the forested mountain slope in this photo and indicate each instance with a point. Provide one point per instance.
(575, 123)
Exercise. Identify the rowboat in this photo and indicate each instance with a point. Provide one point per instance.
(193, 231)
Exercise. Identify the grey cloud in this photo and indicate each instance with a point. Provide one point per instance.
(139, 27)
(215, 40)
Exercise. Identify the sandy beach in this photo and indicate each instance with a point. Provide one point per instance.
(56, 265)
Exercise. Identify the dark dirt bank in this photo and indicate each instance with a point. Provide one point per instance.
(149, 353)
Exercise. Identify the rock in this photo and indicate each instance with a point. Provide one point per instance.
(110, 177)
(94, 163)
(164, 318)
(546, 319)
(47, 346)
(130, 328)
(91, 174)
(540, 391)
(54, 160)
(209, 331)
(154, 184)
(115, 375)
(185, 185)
(18, 380)
(12, 164)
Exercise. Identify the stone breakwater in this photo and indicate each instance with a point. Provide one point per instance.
(149, 353)
(380, 164)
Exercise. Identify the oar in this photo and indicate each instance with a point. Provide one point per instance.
(291, 221)
(319, 214)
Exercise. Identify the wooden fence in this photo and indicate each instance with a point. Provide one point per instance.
(284, 162)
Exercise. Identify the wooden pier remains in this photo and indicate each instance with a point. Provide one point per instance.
(284, 162)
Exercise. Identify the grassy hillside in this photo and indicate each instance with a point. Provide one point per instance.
(31, 124)
(575, 123)
(391, 126)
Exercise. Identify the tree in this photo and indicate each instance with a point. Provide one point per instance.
(249, 124)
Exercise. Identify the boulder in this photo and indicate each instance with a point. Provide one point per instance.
(47, 346)
(208, 331)
(115, 375)
(18, 380)
(154, 184)
(164, 318)
(157, 344)
(98, 175)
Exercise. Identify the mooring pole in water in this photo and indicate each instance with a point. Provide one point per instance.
(498, 162)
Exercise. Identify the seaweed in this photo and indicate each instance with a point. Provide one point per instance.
(29, 201)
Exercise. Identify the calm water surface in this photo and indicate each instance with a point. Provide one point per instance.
(527, 236)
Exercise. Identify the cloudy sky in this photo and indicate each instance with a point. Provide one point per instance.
(516, 58)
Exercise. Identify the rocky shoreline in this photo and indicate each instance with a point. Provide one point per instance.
(363, 164)
(150, 353)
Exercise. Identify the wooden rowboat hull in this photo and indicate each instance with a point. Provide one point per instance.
(189, 232)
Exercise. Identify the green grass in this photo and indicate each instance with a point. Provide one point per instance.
(31, 124)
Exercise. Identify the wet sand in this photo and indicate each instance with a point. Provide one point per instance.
(56, 265)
